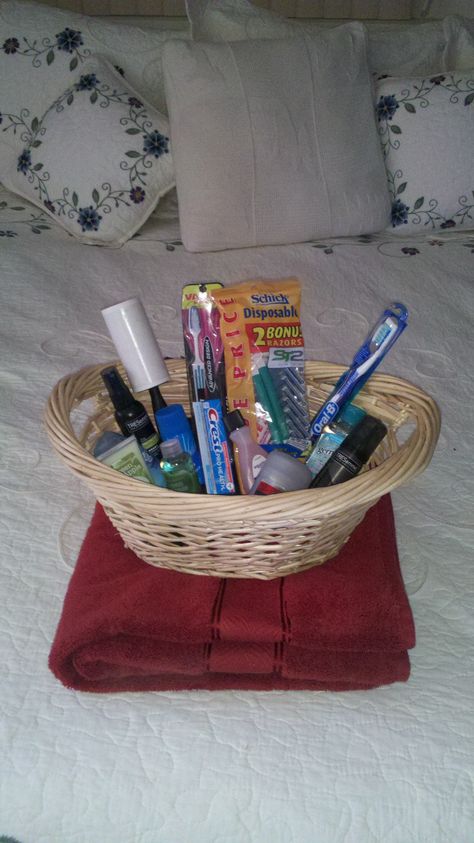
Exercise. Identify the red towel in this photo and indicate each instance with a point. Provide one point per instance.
(127, 626)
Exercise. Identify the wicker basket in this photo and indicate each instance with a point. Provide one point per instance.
(242, 536)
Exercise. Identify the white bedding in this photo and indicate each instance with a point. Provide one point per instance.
(393, 765)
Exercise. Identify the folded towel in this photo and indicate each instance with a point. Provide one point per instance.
(128, 626)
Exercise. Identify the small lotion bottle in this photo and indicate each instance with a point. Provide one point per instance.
(249, 456)
(178, 468)
(127, 458)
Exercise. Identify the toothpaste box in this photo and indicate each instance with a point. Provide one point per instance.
(214, 447)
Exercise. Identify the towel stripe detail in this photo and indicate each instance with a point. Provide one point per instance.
(279, 650)
(216, 614)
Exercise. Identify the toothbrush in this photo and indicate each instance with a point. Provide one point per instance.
(212, 354)
(377, 343)
(194, 325)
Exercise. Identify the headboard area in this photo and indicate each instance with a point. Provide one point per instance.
(381, 10)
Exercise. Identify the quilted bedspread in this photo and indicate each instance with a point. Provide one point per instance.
(392, 765)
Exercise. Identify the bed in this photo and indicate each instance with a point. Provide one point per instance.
(394, 764)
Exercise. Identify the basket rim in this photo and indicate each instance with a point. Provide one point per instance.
(410, 460)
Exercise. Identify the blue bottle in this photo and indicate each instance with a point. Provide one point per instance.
(173, 423)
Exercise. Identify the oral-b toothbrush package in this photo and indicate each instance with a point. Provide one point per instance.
(264, 359)
(202, 342)
(377, 344)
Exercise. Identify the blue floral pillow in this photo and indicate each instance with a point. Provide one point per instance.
(426, 128)
(97, 161)
(42, 47)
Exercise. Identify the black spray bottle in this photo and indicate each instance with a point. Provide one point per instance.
(352, 454)
(130, 414)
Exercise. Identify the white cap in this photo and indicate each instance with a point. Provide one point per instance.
(136, 345)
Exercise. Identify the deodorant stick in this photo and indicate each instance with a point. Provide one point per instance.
(281, 473)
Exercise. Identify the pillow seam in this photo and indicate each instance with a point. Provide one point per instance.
(317, 146)
(252, 137)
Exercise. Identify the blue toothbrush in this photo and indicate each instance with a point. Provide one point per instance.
(376, 345)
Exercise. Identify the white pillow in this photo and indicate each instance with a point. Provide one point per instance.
(461, 55)
(275, 141)
(411, 49)
(426, 128)
(394, 48)
(42, 50)
(97, 161)
(236, 20)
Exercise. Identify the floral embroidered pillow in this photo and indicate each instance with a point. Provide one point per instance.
(97, 161)
(426, 128)
(42, 47)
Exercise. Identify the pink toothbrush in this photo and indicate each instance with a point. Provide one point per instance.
(194, 326)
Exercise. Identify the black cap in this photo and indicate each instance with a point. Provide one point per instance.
(234, 421)
(364, 438)
(117, 388)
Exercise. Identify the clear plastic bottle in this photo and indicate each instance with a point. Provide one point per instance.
(178, 468)
(249, 456)
(173, 424)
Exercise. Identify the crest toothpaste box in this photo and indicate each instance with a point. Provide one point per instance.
(214, 447)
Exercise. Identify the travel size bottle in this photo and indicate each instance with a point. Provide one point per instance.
(172, 423)
(249, 456)
(127, 457)
(354, 452)
(178, 468)
(130, 414)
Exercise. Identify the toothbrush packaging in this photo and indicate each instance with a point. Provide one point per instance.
(214, 447)
(377, 344)
(202, 342)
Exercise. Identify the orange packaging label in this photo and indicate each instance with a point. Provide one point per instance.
(256, 316)
(274, 335)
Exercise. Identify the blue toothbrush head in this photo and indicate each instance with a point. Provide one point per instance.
(390, 324)
(194, 320)
(381, 333)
